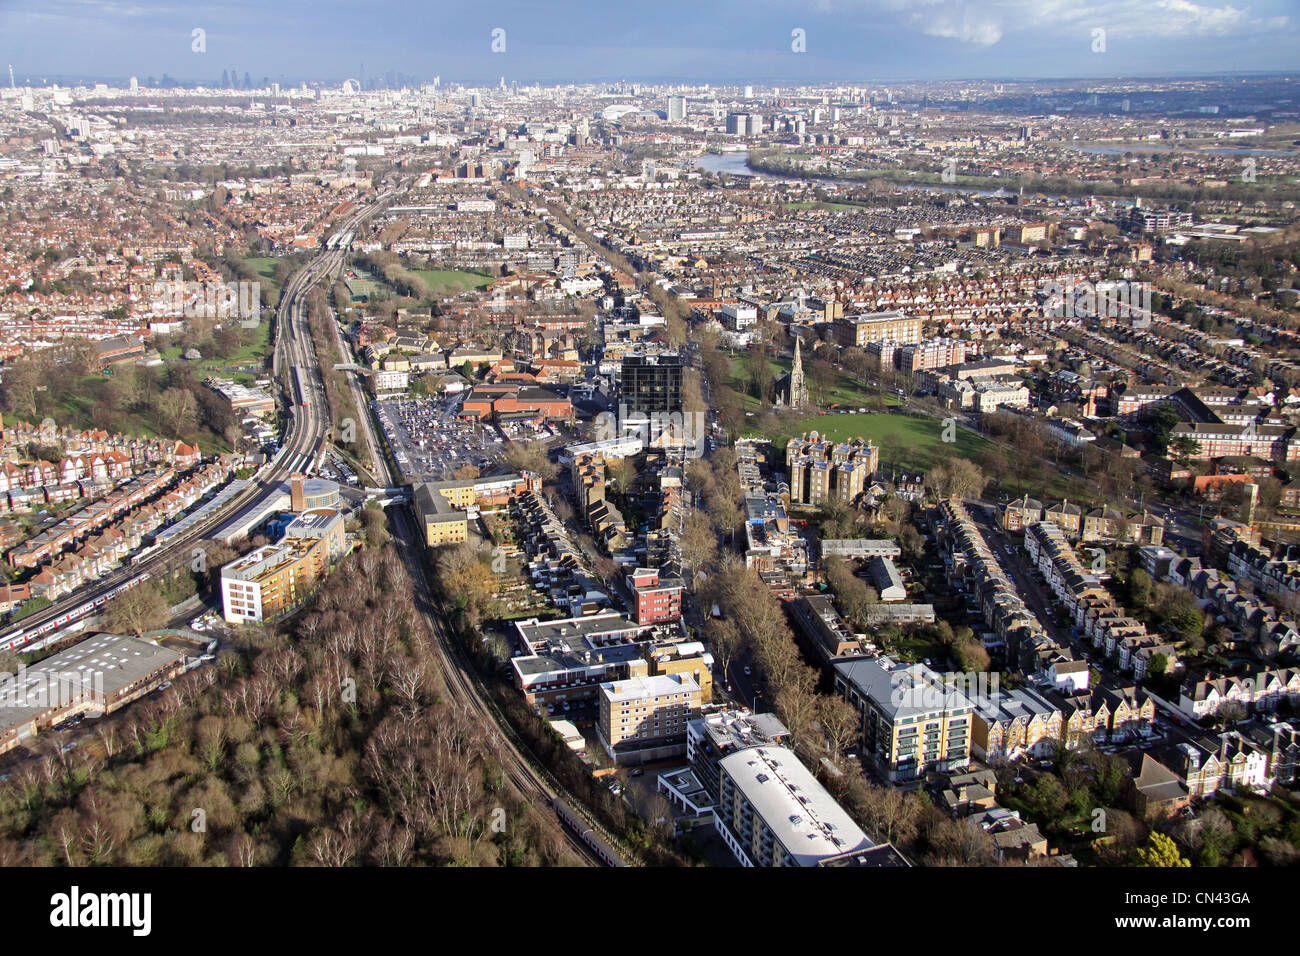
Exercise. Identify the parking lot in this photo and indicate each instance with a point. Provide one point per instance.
(430, 443)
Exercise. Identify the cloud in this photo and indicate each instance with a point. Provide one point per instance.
(986, 22)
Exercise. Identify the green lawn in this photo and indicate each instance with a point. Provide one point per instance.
(452, 281)
(250, 356)
(265, 266)
(905, 441)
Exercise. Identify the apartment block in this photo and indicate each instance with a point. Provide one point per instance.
(860, 330)
(773, 812)
(821, 470)
(645, 718)
(274, 578)
(913, 721)
(657, 598)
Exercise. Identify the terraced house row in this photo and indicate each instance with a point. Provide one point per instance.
(94, 543)
(1025, 721)
(1090, 606)
(971, 561)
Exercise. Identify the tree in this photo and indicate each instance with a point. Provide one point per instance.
(1046, 797)
(1159, 665)
(1140, 588)
(840, 723)
(139, 609)
(1160, 851)
(375, 523)
(1183, 449)
(699, 543)
(532, 457)
(965, 479)
(725, 640)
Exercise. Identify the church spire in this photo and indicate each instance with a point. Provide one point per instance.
(797, 396)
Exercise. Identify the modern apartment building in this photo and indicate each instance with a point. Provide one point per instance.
(652, 384)
(716, 736)
(773, 812)
(913, 721)
(657, 598)
(645, 718)
(271, 579)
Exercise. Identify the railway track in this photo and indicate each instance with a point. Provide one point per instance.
(532, 782)
(528, 780)
(303, 441)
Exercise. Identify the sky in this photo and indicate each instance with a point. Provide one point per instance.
(763, 42)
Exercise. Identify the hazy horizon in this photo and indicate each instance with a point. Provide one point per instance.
(721, 43)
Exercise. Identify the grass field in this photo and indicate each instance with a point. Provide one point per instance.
(905, 441)
(264, 265)
(452, 281)
(244, 361)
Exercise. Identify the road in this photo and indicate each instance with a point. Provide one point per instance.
(304, 437)
(1017, 567)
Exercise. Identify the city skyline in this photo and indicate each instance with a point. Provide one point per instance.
(776, 43)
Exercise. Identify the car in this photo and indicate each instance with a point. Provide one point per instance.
(637, 772)
(747, 671)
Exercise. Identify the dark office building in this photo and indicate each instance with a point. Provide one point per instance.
(652, 383)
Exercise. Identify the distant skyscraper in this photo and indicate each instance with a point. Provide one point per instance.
(676, 108)
(749, 92)
(135, 85)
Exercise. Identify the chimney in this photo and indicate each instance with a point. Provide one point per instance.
(297, 493)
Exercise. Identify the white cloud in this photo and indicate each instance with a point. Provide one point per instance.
(985, 22)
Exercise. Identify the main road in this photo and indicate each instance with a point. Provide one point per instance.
(307, 424)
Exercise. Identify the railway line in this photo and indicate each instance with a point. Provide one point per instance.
(461, 683)
(463, 688)
(303, 443)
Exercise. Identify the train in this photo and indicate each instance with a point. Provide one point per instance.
(575, 823)
(300, 385)
(27, 635)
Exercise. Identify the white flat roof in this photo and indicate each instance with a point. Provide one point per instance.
(639, 688)
(802, 815)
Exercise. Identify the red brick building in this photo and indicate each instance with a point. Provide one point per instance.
(657, 599)
(492, 401)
